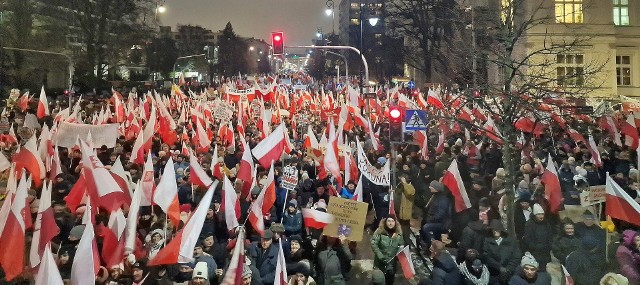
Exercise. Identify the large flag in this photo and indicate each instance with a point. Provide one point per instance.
(166, 195)
(281, 267)
(619, 204)
(236, 264)
(316, 219)
(357, 194)
(86, 263)
(406, 262)
(114, 241)
(230, 204)
(45, 227)
(43, 105)
(28, 158)
(453, 181)
(434, 99)
(331, 155)
(246, 164)
(132, 220)
(148, 183)
(595, 154)
(552, 191)
(271, 148)
(198, 176)
(48, 273)
(263, 203)
(180, 249)
(101, 187)
(12, 236)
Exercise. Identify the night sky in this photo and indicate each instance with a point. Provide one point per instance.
(298, 19)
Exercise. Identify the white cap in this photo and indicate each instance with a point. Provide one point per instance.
(537, 209)
(201, 271)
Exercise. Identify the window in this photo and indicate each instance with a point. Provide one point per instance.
(623, 70)
(621, 12)
(506, 11)
(568, 11)
(570, 69)
(355, 21)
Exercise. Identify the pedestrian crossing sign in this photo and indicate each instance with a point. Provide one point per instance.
(416, 120)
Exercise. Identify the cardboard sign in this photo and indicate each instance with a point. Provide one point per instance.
(68, 133)
(289, 178)
(595, 195)
(223, 111)
(349, 218)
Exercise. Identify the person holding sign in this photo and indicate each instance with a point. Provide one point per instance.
(385, 243)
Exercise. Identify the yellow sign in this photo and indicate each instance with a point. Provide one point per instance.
(349, 218)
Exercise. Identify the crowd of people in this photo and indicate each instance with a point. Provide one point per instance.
(472, 246)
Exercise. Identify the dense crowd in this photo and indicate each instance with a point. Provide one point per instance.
(472, 246)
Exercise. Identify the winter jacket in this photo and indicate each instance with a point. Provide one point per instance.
(595, 231)
(344, 193)
(445, 270)
(519, 220)
(586, 267)
(438, 209)
(473, 236)
(628, 257)
(265, 261)
(541, 278)
(292, 223)
(506, 254)
(405, 194)
(537, 239)
(385, 246)
(332, 266)
(211, 263)
(563, 245)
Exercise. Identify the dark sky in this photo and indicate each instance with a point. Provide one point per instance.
(298, 19)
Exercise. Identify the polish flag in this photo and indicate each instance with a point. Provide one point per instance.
(406, 262)
(246, 164)
(440, 147)
(620, 205)
(230, 204)
(492, 132)
(48, 273)
(149, 131)
(101, 187)
(45, 227)
(631, 136)
(311, 142)
(180, 248)
(198, 176)
(12, 236)
(316, 219)
(43, 105)
(86, 257)
(568, 280)
(216, 171)
(374, 139)
(23, 102)
(595, 154)
(203, 138)
(331, 155)
(434, 99)
(263, 203)
(28, 158)
(56, 165)
(236, 264)
(575, 136)
(551, 183)
(148, 182)
(45, 147)
(76, 194)
(120, 176)
(166, 195)
(271, 148)
(137, 151)
(357, 194)
(281, 267)
(11, 137)
(453, 181)
(132, 220)
(114, 240)
(4, 163)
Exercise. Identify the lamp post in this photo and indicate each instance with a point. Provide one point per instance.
(160, 9)
(372, 21)
(474, 64)
(331, 12)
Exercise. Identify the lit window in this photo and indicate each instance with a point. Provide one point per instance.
(506, 11)
(623, 70)
(621, 12)
(569, 11)
(354, 5)
(355, 21)
(570, 69)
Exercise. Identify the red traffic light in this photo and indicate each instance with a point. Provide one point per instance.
(395, 114)
(277, 38)
(277, 41)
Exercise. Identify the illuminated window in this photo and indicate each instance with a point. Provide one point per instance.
(506, 11)
(623, 70)
(621, 12)
(355, 21)
(570, 69)
(569, 11)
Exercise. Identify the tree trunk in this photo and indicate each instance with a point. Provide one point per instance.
(511, 162)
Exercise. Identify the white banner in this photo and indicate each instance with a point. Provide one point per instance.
(377, 176)
(101, 135)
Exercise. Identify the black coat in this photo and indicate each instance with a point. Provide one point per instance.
(265, 261)
(586, 268)
(438, 209)
(537, 239)
(519, 221)
(506, 255)
(445, 270)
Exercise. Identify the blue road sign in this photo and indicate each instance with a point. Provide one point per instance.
(416, 120)
(411, 84)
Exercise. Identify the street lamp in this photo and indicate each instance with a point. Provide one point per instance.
(329, 11)
(373, 20)
(251, 48)
(162, 9)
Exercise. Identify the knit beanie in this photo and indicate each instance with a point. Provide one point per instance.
(537, 209)
(528, 259)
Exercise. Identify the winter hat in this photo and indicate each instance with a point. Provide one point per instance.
(76, 232)
(528, 260)
(321, 204)
(268, 234)
(296, 238)
(157, 231)
(255, 190)
(581, 171)
(459, 142)
(437, 186)
(277, 228)
(201, 271)
(500, 172)
(246, 271)
(304, 176)
(292, 203)
(614, 279)
(523, 185)
(537, 209)
(524, 197)
(382, 160)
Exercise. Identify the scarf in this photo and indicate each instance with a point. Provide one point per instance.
(484, 277)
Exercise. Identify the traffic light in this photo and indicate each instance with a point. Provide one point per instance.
(277, 41)
(395, 123)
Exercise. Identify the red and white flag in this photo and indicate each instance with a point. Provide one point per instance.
(4, 163)
(316, 219)
(619, 204)
(492, 132)
(12, 236)
(180, 249)
(230, 204)
(203, 137)
(331, 155)
(271, 148)
(45, 227)
(263, 203)
(101, 187)
(28, 158)
(453, 181)
(281, 267)
(166, 195)
(132, 220)
(113, 240)
(43, 105)
(434, 99)
(48, 273)
(198, 176)
(86, 262)
(595, 153)
(630, 131)
(406, 262)
(246, 164)
(568, 280)
(357, 194)
(236, 264)
(137, 151)
(148, 182)
(552, 191)
(56, 165)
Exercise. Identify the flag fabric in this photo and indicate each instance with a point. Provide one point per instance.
(29, 159)
(48, 273)
(132, 220)
(595, 153)
(4, 163)
(271, 148)
(434, 100)
(619, 204)
(316, 219)
(148, 183)
(263, 203)
(198, 176)
(236, 264)
(101, 187)
(281, 267)
(453, 181)
(246, 164)
(568, 280)
(180, 248)
(406, 262)
(137, 151)
(12, 236)
(45, 227)
(113, 241)
(43, 105)
(552, 191)
(230, 204)
(357, 194)
(86, 263)
(166, 195)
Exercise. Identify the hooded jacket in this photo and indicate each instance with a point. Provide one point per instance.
(445, 270)
(628, 257)
(385, 245)
(505, 254)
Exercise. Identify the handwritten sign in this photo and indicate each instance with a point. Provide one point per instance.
(68, 133)
(595, 195)
(349, 218)
(289, 178)
(223, 111)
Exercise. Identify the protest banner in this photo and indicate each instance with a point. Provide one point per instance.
(101, 135)
(289, 178)
(377, 176)
(349, 218)
(223, 111)
(595, 195)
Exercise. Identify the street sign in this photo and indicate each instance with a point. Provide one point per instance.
(416, 120)
(411, 84)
